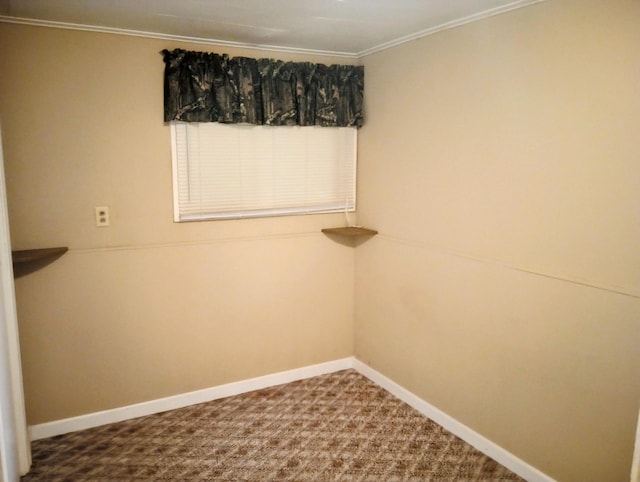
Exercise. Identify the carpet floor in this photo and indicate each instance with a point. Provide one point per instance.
(335, 427)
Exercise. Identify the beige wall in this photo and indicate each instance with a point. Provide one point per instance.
(146, 308)
(500, 163)
(503, 287)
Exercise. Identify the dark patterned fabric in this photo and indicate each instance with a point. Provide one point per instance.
(209, 87)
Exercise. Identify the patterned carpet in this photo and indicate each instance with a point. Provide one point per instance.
(336, 427)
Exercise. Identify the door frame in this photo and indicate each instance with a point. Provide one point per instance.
(15, 449)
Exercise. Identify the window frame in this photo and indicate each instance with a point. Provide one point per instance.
(335, 206)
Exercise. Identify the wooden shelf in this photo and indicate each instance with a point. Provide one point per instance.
(25, 256)
(351, 231)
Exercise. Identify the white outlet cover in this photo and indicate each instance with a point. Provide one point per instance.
(102, 216)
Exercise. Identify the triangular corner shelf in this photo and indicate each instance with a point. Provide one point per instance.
(28, 260)
(350, 231)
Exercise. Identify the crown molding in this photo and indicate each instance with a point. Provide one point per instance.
(448, 26)
(176, 38)
(275, 48)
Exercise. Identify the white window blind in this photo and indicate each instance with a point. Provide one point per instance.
(225, 171)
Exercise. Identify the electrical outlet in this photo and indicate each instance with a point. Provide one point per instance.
(102, 216)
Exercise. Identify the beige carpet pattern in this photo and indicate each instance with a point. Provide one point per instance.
(336, 427)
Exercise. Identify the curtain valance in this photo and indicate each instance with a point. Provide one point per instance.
(208, 87)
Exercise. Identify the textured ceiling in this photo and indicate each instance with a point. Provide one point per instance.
(350, 27)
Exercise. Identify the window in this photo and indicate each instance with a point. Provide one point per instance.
(224, 171)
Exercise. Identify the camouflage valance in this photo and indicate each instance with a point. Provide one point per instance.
(208, 87)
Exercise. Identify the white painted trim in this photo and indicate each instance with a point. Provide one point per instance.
(120, 414)
(174, 172)
(448, 25)
(224, 43)
(162, 36)
(457, 428)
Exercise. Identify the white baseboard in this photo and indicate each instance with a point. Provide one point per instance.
(96, 419)
(484, 445)
(120, 414)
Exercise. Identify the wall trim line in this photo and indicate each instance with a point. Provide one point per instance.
(567, 278)
(198, 243)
